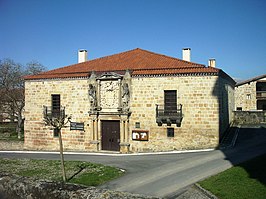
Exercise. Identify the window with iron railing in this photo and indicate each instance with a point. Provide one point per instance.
(170, 112)
(161, 111)
(55, 110)
(49, 112)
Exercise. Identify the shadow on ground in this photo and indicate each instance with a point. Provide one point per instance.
(248, 135)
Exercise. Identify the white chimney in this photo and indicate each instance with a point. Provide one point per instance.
(186, 54)
(82, 56)
(212, 63)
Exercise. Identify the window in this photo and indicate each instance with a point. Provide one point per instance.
(239, 108)
(56, 132)
(137, 125)
(170, 132)
(248, 96)
(56, 105)
(170, 102)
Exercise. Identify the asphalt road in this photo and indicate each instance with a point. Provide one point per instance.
(168, 175)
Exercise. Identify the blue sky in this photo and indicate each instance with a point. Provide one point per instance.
(51, 31)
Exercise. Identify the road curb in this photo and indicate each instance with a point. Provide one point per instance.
(205, 192)
(110, 154)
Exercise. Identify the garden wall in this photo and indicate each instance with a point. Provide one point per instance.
(249, 117)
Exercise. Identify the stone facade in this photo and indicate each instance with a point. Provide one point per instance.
(74, 97)
(207, 101)
(134, 101)
(247, 94)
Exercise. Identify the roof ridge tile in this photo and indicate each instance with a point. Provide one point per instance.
(170, 57)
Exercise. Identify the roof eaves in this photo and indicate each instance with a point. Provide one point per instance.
(187, 70)
(251, 80)
(56, 76)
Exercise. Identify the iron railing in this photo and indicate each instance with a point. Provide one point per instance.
(50, 112)
(169, 115)
(162, 111)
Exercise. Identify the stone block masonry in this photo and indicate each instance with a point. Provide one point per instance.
(206, 113)
(200, 125)
(245, 96)
(11, 145)
(74, 97)
(250, 117)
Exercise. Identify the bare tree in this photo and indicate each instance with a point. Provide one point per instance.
(58, 120)
(12, 90)
(34, 67)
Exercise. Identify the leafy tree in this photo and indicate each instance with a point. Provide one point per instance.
(12, 100)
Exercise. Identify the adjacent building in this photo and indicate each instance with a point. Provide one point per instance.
(250, 95)
(134, 101)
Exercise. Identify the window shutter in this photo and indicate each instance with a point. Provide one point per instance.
(170, 101)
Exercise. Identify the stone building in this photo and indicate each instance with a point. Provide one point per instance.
(134, 101)
(250, 94)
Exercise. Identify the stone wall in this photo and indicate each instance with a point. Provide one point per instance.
(226, 104)
(11, 145)
(201, 100)
(74, 97)
(207, 104)
(249, 117)
(245, 96)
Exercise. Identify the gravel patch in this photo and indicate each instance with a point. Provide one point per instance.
(17, 187)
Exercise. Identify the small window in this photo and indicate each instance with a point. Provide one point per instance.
(56, 132)
(137, 125)
(248, 96)
(239, 108)
(170, 132)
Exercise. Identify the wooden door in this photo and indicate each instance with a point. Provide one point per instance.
(111, 135)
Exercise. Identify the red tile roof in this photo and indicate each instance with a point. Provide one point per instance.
(138, 61)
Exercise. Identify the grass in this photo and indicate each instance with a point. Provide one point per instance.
(244, 181)
(78, 172)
